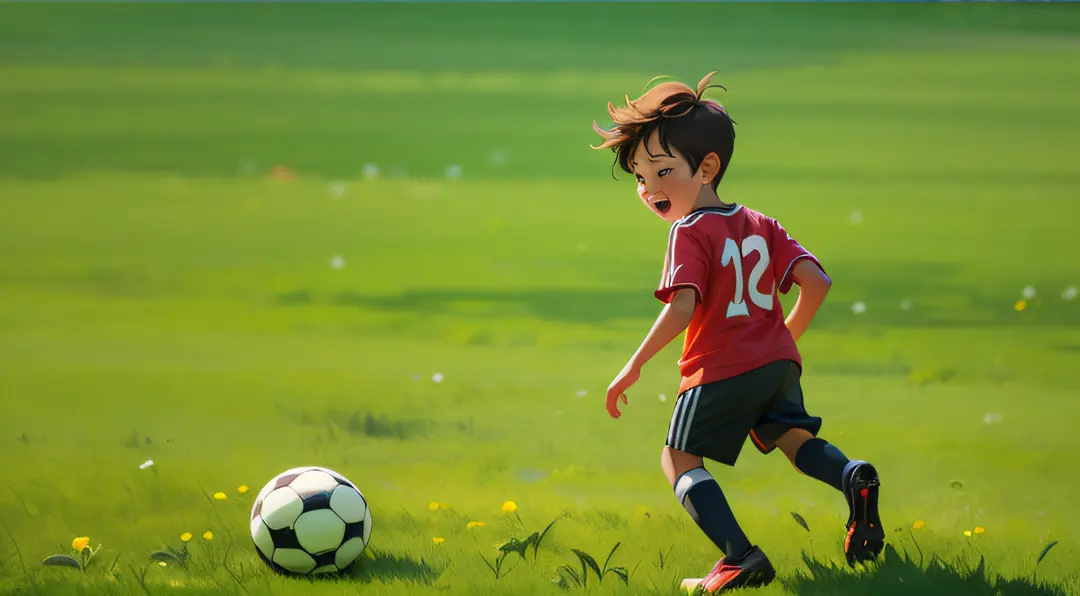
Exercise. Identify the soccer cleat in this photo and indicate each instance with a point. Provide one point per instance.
(751, 570)
(865, 536)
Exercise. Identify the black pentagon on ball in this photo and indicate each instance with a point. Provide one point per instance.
(324, 559)
(316, 501)
(354, 530)
(285, 538)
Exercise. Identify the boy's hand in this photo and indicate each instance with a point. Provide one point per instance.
(626, 377)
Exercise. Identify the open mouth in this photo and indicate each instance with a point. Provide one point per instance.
(662, 205)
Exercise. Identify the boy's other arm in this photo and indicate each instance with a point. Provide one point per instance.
(813, 287)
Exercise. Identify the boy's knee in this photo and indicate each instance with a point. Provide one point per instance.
(791, 441)
(676, 463)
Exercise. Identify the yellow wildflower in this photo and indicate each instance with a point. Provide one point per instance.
(474, 524)
(163, 564)
(80, 543)
(186, 536)
(434, 505)
(220, 496)
(967, 533)
(438, 540)
(1021, 305)
(919, 524)
(208, 535)
(243, 488)
(509, 507)
(979, 529)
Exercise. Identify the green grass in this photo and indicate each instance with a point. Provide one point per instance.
(162, 298)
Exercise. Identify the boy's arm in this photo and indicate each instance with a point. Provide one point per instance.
(813, 287)
(672, 321)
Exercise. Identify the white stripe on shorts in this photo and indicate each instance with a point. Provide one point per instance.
(689, 419)
(673, 426)
(682, 417)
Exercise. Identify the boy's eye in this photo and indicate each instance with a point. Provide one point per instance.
(664, 172)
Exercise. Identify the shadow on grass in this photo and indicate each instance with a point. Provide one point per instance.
(896, 574)
(388, 567)
(582, 306)
(983, 306)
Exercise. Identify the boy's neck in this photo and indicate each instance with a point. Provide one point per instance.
(707, 198)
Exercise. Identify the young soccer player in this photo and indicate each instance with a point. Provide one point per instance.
(740, 367)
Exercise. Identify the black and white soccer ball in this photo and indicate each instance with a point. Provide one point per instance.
(310, 521)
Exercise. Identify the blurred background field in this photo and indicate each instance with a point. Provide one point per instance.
(241, 238)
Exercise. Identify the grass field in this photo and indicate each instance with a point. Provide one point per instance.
(164, 297)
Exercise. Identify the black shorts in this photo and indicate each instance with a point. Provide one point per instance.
(713, 420)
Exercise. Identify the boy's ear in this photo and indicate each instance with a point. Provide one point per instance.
(709, 168)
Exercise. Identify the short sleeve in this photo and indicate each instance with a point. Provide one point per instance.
(786, 252)
(686, 263)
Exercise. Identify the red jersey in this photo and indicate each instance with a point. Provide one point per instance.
(737, 259)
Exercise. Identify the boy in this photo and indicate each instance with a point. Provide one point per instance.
(740, 368)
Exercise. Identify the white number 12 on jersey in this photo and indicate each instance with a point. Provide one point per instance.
(732, 254)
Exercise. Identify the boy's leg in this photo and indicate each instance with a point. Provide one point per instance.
(700, 494)
(713, 421)
(787, 425)
(858, 480)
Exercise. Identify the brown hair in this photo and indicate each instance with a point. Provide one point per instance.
(681, 118)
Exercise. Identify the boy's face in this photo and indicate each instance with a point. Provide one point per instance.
(665, 183)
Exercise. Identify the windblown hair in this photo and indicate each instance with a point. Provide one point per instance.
(681, 118)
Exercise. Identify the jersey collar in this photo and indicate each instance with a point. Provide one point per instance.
(726, 210)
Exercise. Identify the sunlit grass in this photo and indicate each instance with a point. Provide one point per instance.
(265, 250)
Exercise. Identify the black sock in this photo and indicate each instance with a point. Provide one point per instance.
(823, 461)
(702, 498)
